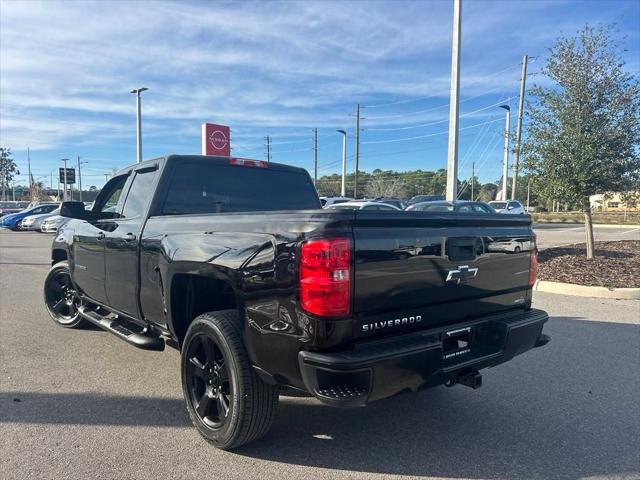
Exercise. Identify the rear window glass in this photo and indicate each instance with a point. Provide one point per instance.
(213, 188)
(499, 205)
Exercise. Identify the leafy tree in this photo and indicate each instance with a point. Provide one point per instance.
(93, 188)
(8, 170)
(584, 129)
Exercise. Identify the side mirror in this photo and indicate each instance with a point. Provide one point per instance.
(74, 210)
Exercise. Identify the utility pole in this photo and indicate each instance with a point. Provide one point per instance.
(528, 193)
(516, 163)
(106, 177)
(505, 160)
(355, 177)
(138, 91)
(268, 145)
(473, 178)
(315, 156)
(452, 155)
(343, 187)
(30, 177)
(64, 194)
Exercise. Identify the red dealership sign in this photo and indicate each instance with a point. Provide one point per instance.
(215, 140)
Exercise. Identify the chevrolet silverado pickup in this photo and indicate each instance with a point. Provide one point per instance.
(234, 263)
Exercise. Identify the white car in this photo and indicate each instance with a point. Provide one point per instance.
(512, 207)
(363, 205)
(328, 201)
(52, 224)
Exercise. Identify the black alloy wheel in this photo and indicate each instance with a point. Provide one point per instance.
(61, 298)
(227, 401)
(210, 389)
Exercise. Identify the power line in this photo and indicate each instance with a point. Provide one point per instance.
(424, 136)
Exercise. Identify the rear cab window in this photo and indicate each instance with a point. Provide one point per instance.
(198, 187)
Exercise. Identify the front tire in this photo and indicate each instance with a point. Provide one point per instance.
(227, 402)
(61, 298)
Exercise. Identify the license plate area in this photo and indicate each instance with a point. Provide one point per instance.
(457, 343)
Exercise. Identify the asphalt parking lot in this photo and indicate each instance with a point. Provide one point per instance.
(554, 235)
(83, 404)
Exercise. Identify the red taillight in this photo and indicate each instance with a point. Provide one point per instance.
(533, 267)
(245, 162)
(325, 277)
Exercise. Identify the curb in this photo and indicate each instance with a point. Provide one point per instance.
(585, 291)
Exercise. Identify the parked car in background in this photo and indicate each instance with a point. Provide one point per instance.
(327, 201)
(363, 205)
(53, 224)
(508, 244)
(34, 222)
(424, 198)
(509, 206)
(396, 202)
(459, 206)
(12, 207)
(14, 220)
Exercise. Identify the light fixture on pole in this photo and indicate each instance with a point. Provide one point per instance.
(505, 160)
(343, 188)
(138, 91)
(64, 186)
(80, 176)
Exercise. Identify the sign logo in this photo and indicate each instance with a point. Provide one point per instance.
(218, 140)
(462, 274)
(215, 140)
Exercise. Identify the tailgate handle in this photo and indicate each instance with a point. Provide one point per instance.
(463, 248)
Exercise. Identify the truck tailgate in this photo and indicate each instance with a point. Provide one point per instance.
(441, 268)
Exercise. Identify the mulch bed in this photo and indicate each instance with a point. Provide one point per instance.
(615, 265)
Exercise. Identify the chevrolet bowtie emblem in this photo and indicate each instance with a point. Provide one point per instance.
(462, 274)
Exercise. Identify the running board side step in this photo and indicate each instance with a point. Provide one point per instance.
(123, 332)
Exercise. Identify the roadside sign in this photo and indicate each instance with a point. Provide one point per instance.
(71, 175)
(215, 140)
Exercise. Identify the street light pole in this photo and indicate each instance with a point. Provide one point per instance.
(64, 187)
(516, 162)
(505, 160)
(452, 153)
(343, 189)
(80, 176)
(138, 91)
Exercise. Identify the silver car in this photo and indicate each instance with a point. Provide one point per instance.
(33, 222)
(52, 224)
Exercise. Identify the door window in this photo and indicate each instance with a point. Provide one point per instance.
(139, 193)
(106, 205)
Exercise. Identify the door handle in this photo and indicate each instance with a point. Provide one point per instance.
(129, 237)
(100, 236)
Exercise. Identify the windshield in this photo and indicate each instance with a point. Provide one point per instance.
(498, 205)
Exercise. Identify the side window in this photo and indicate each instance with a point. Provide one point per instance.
(139, 192)
(371, 207)
(37, 211)
(465, 209)
(105, 206)
(385, 207)
(478, 208)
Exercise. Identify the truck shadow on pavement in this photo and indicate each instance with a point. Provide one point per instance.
(568, 410)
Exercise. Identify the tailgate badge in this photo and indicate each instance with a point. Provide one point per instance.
(462, 274)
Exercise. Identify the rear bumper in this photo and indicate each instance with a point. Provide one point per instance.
(379, 369)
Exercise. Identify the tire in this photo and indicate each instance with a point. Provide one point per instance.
(516, 250)
(60, 297)
(227, 402)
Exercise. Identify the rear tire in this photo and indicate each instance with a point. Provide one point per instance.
(227, 402)
(60, 297)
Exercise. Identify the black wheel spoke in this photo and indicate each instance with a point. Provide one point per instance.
(223, 405)
(209, 349)
(204, 404)
(198, 371)
(57, 307)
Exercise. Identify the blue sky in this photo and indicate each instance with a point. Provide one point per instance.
(277, 68)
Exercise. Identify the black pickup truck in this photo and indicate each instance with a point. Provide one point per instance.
(234, 263)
